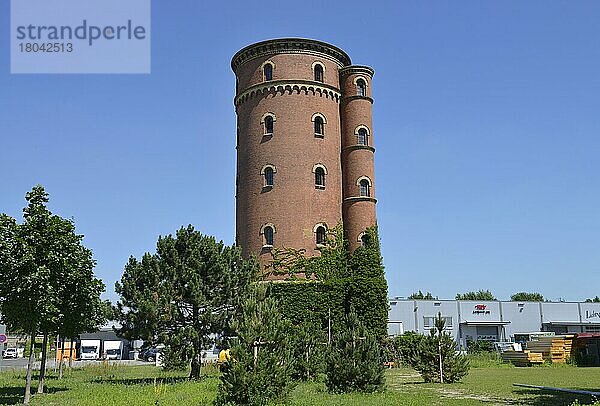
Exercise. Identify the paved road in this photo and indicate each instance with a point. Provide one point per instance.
(11, 364)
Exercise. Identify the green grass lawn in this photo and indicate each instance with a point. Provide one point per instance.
(147, 385)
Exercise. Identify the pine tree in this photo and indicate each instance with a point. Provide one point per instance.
(183, 295)
(436, 358)
(354, 361)
(309, 350)
(261, 364)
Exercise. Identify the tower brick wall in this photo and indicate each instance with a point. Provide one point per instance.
(294, 98)
(357, 156)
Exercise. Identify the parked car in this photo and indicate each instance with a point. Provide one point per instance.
(150, 354)
(113, 353)
(11, 353)
(210, 355)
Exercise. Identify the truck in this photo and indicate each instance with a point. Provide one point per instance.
(113, 349)
(90, 350)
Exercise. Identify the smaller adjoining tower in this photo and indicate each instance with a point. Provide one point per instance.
(358, 171)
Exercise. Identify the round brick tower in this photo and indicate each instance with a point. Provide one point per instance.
(292, 102)
(358, 171)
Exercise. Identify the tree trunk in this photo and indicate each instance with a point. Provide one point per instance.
(29, 369)
(195, 372)
(440, 354)
(71, 354)
(307, 366)
(62, 358)
(197, 357)
(196, 361)
(40, 388)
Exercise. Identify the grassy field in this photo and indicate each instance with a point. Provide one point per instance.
(147, 385)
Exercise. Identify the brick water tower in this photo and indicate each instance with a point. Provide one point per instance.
(304, 146)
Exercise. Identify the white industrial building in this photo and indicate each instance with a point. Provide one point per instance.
(468, 320)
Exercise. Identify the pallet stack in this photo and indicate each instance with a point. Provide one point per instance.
(522, 358)
(555, 349)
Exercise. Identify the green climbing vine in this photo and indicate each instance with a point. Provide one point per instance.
(324, 288)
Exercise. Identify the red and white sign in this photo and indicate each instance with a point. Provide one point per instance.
(481, 309)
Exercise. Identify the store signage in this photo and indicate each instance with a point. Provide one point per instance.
(481, 309)
(592, 314)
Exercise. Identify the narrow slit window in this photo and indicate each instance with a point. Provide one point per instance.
(268, 71)
(269, 177)
(321, 235)
(268, 125)
(364, 239)
(319, 177)
(361, 87)
(319, 126)
(365, 188)
(268, 234)
(362, 137)
(318, 73)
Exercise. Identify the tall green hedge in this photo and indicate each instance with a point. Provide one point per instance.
(333, 283)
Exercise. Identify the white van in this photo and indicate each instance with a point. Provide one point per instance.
(11, 353)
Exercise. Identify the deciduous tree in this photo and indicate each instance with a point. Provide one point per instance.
(422, 296)
(527, 297)
(39, 257)
(479, 295)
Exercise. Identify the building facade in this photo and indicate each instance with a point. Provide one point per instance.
(492, 320)
(304, 146)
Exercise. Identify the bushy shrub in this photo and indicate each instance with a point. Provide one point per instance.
(403, 348)
(261, 364)
(354, 359)
(480, 347)
(488, 360)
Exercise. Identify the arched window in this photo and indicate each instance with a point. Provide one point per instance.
(269, 175)
(321, 235)
(361, 87)
(268, 233)
(268, 71)
(319, 177)
(318, 72)
(365, 188)
(364, 239)
(269, 125)
(319, 127)
(362, 137)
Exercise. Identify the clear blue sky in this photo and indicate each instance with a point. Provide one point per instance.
(486, 124)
